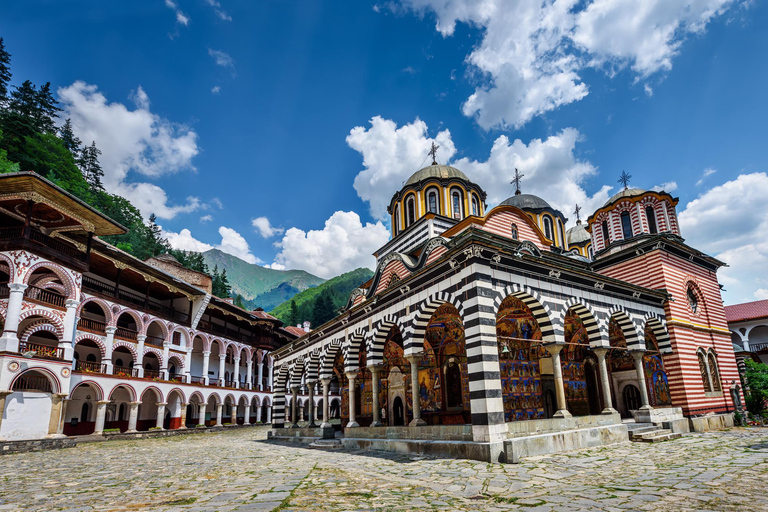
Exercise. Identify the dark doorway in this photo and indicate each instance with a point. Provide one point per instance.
(167, 420)
(593, 395)
(453, 386)
(398, 416)
(84, 413)
(550, 407)
(631, 399)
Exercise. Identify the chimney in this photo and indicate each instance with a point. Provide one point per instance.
(306, 326)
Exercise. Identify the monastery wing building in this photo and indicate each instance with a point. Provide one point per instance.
(499, 334)
(94, 339)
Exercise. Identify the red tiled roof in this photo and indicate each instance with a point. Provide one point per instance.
(262, 314)
(297, 331)
(746, 311)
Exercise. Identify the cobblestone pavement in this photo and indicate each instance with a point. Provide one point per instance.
(235, 470)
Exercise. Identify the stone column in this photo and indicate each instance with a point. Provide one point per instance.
(236, 376)
(139, 365)
(352, 392)
(562, 408)
(9, 341)
(269, 414)
(219, 412)
(110, 340)
(326, 406)
(260, 380)
(133, 416)
(249, 375)
(188, 365)
(70, 325)
(201, 414)
(269, 377)
(101, 413)
(55, 418)
(294, 407)
(160, 415)
(606, 383)
(247, 415)
(63, 417)
(206, 363)
(164, 363)
(376, 407)
(416, 421)
(3, 395)
(311, 406)
(637, 355)
(183, 417)
(222, 358)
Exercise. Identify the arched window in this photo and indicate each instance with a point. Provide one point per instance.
(561, 230)
(456, 202)
(714, 374)
(651, 216)
(606, 237)
(118, 362)
(589, 252)
(475, 205)
(514, 231)
(626, 225)
(704, 372)
(410, 211)
(548, 228)
(397, 219)
(433, 205)
(693, 300)
(91, 358)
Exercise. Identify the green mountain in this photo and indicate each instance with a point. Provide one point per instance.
(260, 286)
(338, 289)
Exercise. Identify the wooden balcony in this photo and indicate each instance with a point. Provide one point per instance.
(13, 238)
(41, 351)
(132, 299)
(124, 371)
(152, 374)
(155, 341)
(94, 326)
(90, 367)
(126, 334)
(46, 297)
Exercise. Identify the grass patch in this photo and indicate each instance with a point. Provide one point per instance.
(181, 501)
(366, 495)
(502, 499)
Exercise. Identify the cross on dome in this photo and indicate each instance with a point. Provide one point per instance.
(624, 179)
(433, 152)
(577, 212)
(516, 181)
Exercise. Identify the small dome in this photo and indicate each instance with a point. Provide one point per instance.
(436, 171)
(627, 192)
(526, 202)
(577, 234)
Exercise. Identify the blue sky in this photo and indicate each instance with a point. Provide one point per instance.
(278, 130)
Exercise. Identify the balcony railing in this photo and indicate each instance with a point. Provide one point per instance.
(197, 380)
(90, 367)
(5, 292)
(758, 347)
(32, 383)
(151, 374)
(229, 383)
(94, 326)
(126, 334)
(44, 351)
(14, 237)
(124, 371)
(176, 378)
(100, 287)
(45, 296)
(155, 341)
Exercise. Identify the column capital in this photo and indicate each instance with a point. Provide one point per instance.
(351, 375)
(141, 338)
(111, 329)
(413, 358)
(17, 287)
(237, 360)
(71, 303)
(601, 351)
(184, 406)
(103, 402)
(375, 368)
(135, 404)
(206, 352)
(166, 344)
(161, 403)
(637, 354)
(222, 356)
(554, 348)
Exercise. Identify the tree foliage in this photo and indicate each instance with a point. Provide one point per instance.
(221, 286)
(5, 71)
(757, 381)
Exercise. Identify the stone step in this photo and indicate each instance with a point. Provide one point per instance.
(653, 433)
(326, 444)
(643, 430)
(634, 426)
(661, 437)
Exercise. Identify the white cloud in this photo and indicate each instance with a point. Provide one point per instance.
(668, 187)
(219, 12)
(342, 245)
(206, 218)
(265, 229)
(533, 52)
(730, 221)
(707, 173)
(223, 59)
(181, 18)
(761, 294)
(232, 243)
(552, 169)
(275, 266)
(131, 140)
(215, 89)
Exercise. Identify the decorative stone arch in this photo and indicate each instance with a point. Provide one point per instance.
(131, 348)
(313, 366)
(215, 395)
(130, 389)
(50, 316)
(156, 390)
(658, 325)
(352, 349)
(45, 282)
(265, 401)
(54, 380)
(243, 398)
(328, 357)
(378, 337)
(40, 325)
(98, 340)
(197, 395)
(61, 273)
(11, 267)
(238, 351)
(259, 356)
(596, 331)
(424, 313)
(163, 326)
(96, 386)
(297, 371)
(140, 327)
(186, 336)
(157, 352)
(181, 394)
(231, 397)
(550, 331)
(222, 344)
(176, 357)
(634, 340)
(110, 320)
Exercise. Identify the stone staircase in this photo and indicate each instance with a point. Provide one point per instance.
(649, 433)
(326, 444)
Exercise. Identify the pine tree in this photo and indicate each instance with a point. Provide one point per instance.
(293, 317)
(24, 100)
(39, 106)
(47, 109)
(70, 140)
(5, 71)
(158, 244)
(89, 164)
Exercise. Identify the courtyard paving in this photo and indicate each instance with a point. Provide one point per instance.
(237, 470)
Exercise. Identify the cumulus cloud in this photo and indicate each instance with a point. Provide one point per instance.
(730, 222)
(132, 140)
(344, 243)
(206, 218)
(264, 228)
(181, 18)
(222, 59)
(761, 294)
(532, 53)
(551, 167)
(232, 243)
(669, 186)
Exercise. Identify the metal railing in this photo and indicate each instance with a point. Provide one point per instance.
(90, 367)
(94, 326)
(45, 296)
(42, 350)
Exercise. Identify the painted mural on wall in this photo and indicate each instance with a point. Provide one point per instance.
(517, 333)
(338, 370)
(572, 360)
(393, 358)
(655, 375)
(619, 358)
(443, 378)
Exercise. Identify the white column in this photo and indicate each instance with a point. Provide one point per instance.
(188, 366)
(70, 324)
(247, 416)
(604, 380)
(637, 355)
(326, 405)
(236, 376)
(249, 374)
(164, 363)
(562, 408)
(376, 408)
(222, 357)
(160, 414)
(133, 416)
(259, 381)
(108, 343)
(201, 414)
(311, 405)
(269, 377)
(269, 415)
(140, 350)
(219, 412)
(415, 399)
(9, 341)
(352, 419)
(101, 413)
(183, 416)
(206, 363)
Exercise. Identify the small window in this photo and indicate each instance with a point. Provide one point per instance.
(606, 238)
(119, 362)
(475, 205)
(713, 372)
(651, 216)
(456, 205)
(514, 231)
(397, 219)
(548, 228)
(693, 301)
(432, 201)
(704, 373)
(410, 211)
(626, 225)
(589, 251)
(560, 231)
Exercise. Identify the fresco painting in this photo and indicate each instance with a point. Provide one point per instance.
(443, 345)
(573, 365)
(655, 376)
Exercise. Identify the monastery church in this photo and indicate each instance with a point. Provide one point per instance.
(498, 334)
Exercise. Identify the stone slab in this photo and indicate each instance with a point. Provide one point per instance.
(711, 422)
(556, 442)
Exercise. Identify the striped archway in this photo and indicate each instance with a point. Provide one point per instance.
(550, 332)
